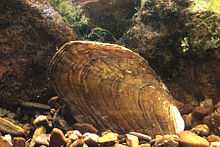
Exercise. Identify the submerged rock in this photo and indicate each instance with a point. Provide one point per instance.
(166, 140)
(189, 139)
(113, 15)
(57, 138)
(201, 130)
(182, 45)
(132, 141)
(30, 32)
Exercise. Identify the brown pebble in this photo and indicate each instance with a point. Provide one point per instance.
(37, 132)
(207, 120)
(201, 130)
(200, 112)
(188, 120)
(132, 141)
(43, 139)
(72, 136)
(91, 139)
(57, 138)
(186, 109)
(215, 144)
(213, 138)
(145, 145)
(19, 142)
(54, 102)
(85, 127)
(208, 102)
(141, 136)
(119, 145)
(189, 139)
(166, 141)
(78, 143)
(4, 143)
(42, 120)
(217, 105)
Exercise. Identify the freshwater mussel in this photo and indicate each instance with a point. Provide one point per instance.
(114, 88)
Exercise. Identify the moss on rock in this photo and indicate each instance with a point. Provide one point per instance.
(180, 43)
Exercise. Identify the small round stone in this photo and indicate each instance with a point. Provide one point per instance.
(200, 112)
(57, 138)
(166, 140)
(215, 144)
(18, 142)
(213, 138)
(189, 139)
(201, 130)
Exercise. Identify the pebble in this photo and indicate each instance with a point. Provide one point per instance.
(145, 145)
(60, 122)
(7, 138)
(42, 120)
(73, 135)
(199, 112)
(207, 103)
(108, 138)
(186, 109)
(39, 131)
(43, 139)
(188, 120)
(213, 138)
(217, 105)
(215, 121)
(207, 120)
(119, 145)
(166, 141)
(79, 143)
(132, 141)
(85, 127)
(18, 142)
(201, 130)
(54, 102)
(215, 144)
(57, 138)
(141, 136)
(189, 139)
(4, 143)
(91, 138)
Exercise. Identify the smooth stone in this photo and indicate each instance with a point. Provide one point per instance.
(132, 141)
(4, 142)
(201, 129)
(18, 142)
(215, 144)
(189, 139)
(213, 138)
(57, 138)
(108, 137)
(166, 141)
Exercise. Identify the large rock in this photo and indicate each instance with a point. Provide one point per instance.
(113, 15)
(30, 32)
(180, 45)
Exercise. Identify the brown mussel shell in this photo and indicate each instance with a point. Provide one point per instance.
(113, 88)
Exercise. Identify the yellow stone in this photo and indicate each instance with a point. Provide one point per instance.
(108, 137)
(189, 139)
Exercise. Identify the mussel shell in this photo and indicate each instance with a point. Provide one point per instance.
(113, 88)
